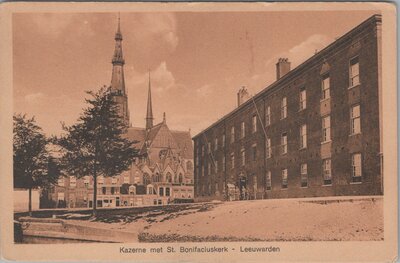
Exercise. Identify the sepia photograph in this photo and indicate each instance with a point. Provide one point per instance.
(213, 131)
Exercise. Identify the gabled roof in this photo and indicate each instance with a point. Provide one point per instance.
(184, 141)
(160, 136)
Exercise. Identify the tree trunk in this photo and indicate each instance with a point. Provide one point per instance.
(94, 193)
(30, 201)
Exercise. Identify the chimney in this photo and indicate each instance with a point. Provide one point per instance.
(242, 96)
(282, 67)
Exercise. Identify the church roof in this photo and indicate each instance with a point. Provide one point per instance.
(184, 141)
(160, 136)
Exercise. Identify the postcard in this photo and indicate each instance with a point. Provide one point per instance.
(198, 132)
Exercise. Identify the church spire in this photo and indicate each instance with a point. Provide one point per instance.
(149, 115)
(117, 78)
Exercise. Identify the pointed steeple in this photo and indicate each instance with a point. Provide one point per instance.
(149, 115)
(117, 78)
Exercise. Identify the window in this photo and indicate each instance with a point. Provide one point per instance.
(326, 166)
(284, 178)
(268, 181)
(60, 182)
(284, 143)
(216, 166)
(86, 181)
(146, 179)
(303, 136)
(354, 72)
(303, 99)
(325, 87)
(243, 129)
(254, 123)
(161, 191)
(223, 163)
(355, 121)
(283, 108)
(113, 180)
(268, 147)
(254, 152)
(180, 178)
(356, 167)
(326, 128)
(243, 155)
(72, 181)
(60, 196)
(209, 147)
(209, 168)
(232, 161)
(104, 190)
(168, 177)
(167, 191)
(303, 174)
(223, 140)
(268, 116)
(126, 179)
(216, 144)
(232, 134)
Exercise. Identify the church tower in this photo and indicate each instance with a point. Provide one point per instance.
(149, 114)
(117, 78)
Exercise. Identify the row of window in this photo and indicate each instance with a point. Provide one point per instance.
(355, 124)
(356, 173)
(325, 86)
(355, 128)
(126, 180)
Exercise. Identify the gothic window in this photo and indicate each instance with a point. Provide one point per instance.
(146, 179)
(169, 178)
(180, 178)
(60, 182)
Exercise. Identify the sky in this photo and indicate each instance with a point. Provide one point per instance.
(198, 60)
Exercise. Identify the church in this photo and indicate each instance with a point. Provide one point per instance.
(162, 174)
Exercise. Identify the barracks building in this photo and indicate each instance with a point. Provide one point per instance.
(315, 131)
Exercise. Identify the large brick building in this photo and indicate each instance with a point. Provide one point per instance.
(315, 131)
